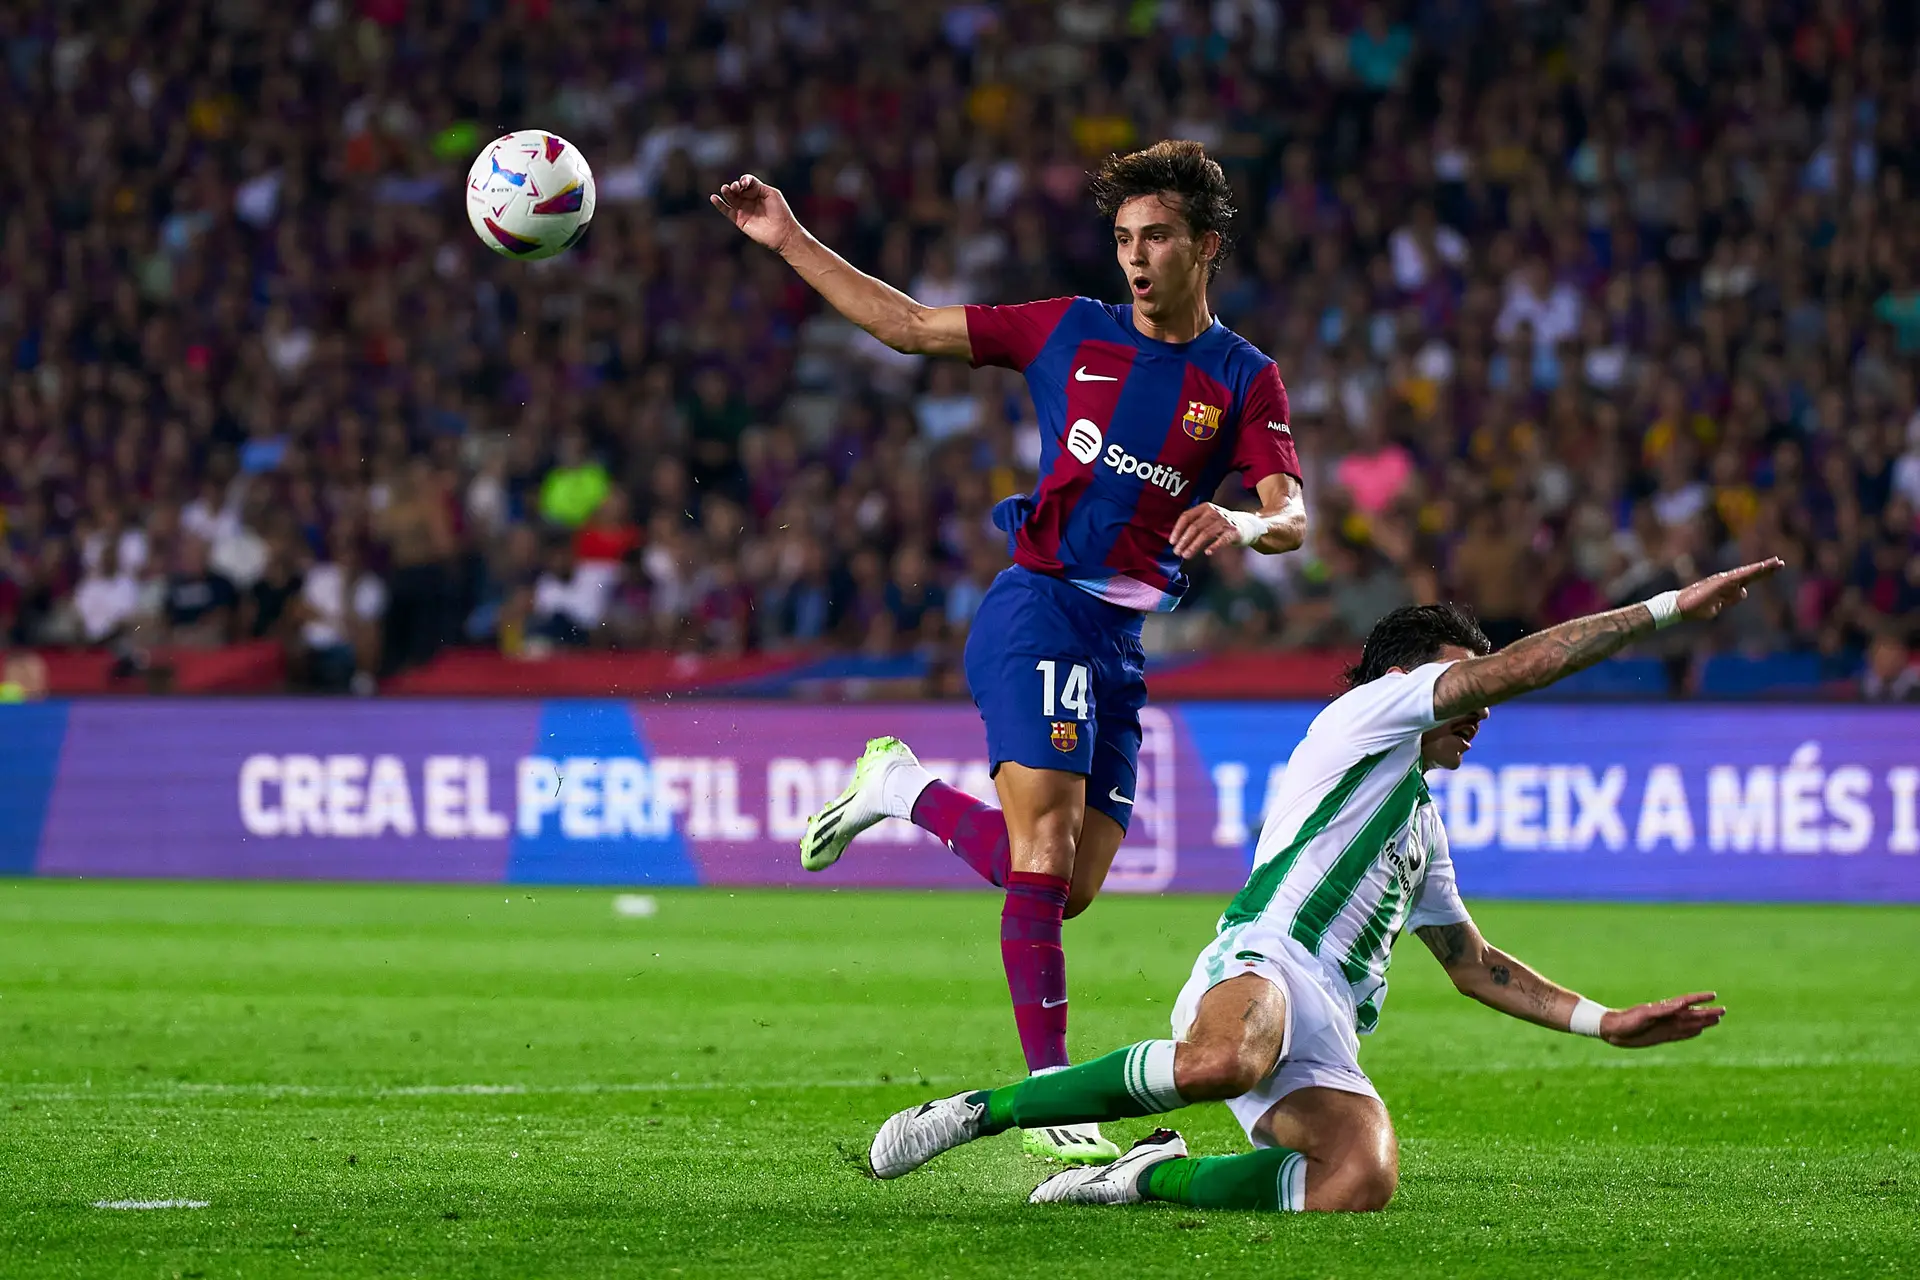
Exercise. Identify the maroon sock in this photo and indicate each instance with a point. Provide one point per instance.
(975, 831)
(1036, 966)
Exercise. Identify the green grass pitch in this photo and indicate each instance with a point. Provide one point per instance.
(379, 1081)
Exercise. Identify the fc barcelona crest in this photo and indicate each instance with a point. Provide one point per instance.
(1201, 420)
(1066, 735)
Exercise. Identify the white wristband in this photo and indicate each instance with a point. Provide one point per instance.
(1586, 1017)
(1249, 526)
(1665, 609)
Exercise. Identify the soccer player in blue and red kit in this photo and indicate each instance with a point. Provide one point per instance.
(1144, 409)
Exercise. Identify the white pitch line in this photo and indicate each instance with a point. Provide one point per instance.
(187, 1088)
(179, 1090)
(151, 1204)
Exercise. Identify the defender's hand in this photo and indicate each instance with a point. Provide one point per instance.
(1202, 528)
(757, 209)
(1709, 596)
(1679, 1018)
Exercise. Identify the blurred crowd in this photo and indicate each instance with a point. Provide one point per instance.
(1573, 301)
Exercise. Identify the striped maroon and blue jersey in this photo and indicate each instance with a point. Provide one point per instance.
(1133, 432)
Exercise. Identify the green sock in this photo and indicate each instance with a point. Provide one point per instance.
(1135, 1081)
(1271, 1178)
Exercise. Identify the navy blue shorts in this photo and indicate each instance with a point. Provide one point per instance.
(1060, 677)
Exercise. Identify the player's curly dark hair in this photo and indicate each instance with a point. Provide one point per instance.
(1413, 635)
(1174, 168)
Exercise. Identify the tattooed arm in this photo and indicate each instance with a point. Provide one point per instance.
(1497, 980)
(1494, 978)
(1546, 656)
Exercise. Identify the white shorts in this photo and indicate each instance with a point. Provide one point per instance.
(1320, 1048)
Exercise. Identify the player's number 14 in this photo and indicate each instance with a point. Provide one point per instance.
(1073, 695)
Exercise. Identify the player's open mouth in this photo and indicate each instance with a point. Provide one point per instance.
(1141, 285)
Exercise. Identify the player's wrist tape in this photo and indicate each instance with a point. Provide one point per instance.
(1248, 526)
(1665, 609)
(1586, 1017)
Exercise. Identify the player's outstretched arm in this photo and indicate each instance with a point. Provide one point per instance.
(1556, 653)
(1280, 525)
(762, 213)
(1497, 980)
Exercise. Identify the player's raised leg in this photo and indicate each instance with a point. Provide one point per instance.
(890, 782)
(974, 830)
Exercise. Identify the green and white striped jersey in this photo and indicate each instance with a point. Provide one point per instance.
(1353, 851)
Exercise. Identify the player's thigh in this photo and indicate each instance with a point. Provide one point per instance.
(1349, 1140)
(1045, 810)
(1236, 1036)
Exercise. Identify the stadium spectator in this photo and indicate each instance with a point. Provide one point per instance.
(576, 486)
(238, 552)
(569, 599)
(199, 605)
(1493, 572)
(339, 611)
(417, 534)
(1366, 588)
(608, 537)
(267, 606)
(916, 604)
(1891, 675)
(1241, 610)
(107, 599)
(1378, 470)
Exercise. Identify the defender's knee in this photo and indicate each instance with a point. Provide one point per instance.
(1211, 1072)
(1354, 1187)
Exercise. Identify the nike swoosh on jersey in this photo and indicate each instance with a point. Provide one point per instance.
(1081, 375)
(1115, 796)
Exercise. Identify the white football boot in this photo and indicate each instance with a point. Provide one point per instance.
(1117, 1183)
(912, 1137)
(861, 805)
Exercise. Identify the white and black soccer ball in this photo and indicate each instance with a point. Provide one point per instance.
(530, 195)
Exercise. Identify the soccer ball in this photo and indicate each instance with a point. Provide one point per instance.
(530, 195)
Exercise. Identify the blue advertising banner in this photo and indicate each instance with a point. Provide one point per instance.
(1663, 802)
